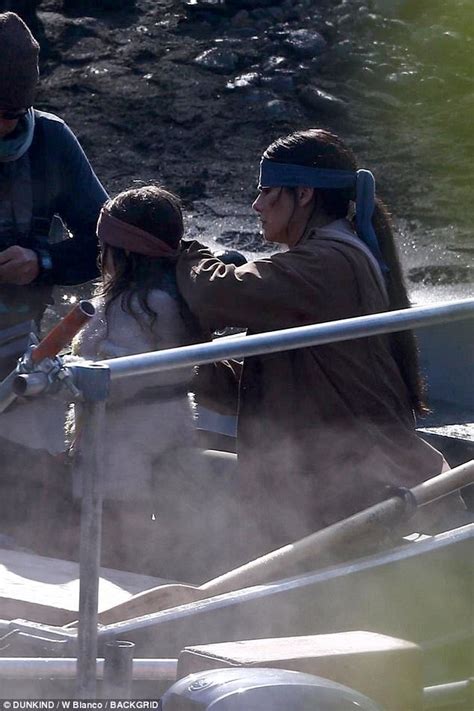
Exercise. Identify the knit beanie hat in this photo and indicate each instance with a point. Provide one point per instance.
(18, 63)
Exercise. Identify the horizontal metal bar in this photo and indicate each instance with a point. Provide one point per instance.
(65, 668)
(457, 694)
(289, 338)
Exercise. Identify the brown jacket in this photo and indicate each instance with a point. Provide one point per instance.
(321, 430)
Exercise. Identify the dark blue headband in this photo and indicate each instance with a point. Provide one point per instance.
(278, 175)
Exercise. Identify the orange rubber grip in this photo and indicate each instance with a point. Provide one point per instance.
(64, 331)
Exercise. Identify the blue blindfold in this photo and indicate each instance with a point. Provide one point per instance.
(362, 182)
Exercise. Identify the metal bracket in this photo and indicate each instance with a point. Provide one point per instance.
(92, 380)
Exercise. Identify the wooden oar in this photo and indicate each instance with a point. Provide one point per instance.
(273, 565)
(63, 332)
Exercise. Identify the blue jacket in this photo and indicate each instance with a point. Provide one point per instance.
(64, 184)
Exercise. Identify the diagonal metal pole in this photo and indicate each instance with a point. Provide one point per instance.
(290, 338)
(92, 382)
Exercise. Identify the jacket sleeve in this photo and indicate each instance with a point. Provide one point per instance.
(80, 199)
(284, 290)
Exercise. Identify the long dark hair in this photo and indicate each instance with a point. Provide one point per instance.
(317, 147)
(157, 211)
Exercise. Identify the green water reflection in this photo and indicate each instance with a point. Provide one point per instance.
(416, 72)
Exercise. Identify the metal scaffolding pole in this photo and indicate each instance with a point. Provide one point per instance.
(93, 383)
(290, 338)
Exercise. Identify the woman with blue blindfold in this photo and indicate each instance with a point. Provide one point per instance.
(322, 431)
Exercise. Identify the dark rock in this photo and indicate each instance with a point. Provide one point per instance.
(320, 100)
(305, 43)
(244, 81)
(279, 82)
(192, 190)
(273, 63)
(225, 7)
(276, 13)
(205, 8)
(241, 19)
(259, 96)
(435, 275)
(276, 109)
(260, 14)
(244, 32)
(87, 6)
(345, 20)
(223, 61)
(250, 241)
(249, 4)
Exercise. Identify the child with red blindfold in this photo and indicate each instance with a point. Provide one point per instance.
(149, 426)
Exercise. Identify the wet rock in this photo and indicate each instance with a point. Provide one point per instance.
(86, 6)
(192, 190)
(322, 101)
(276, 109)
(249, 4)
(244, 81)
(224, 7)
(206, 5)
(259, 96)
(241, 19)
(273, 63)
(222, 61)
(260, 14)
(276, 13)
(344, 20)
(279, 82)
(447, 274)
(244, 32)
(250, 241)
(305, 43)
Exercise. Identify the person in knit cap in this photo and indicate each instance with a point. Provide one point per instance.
(43, 173)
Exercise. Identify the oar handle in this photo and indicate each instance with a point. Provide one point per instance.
(63, 333)
(327, 539)
(444, 483)
(273, 564)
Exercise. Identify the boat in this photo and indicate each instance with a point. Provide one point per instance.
(418, 589)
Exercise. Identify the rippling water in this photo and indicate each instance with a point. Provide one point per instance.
(413, 96)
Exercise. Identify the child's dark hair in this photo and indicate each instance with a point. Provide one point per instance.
(155, 210)
(320, 148)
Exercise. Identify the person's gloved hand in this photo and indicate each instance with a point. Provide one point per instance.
(231, 256)
(18, 265)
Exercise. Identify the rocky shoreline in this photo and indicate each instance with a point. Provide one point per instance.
(189, 93)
